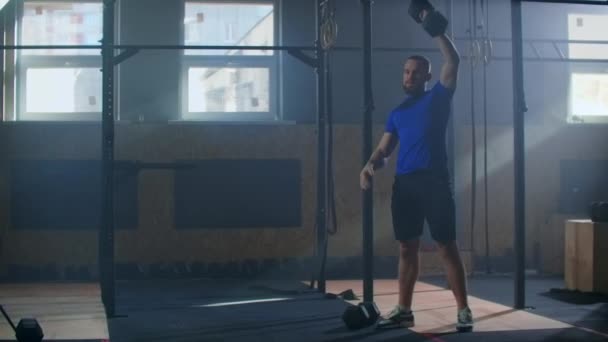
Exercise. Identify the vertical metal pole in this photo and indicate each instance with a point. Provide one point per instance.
(519, 108)
(450, 136)
(106, 232)
(486, 61)
(368, 204)
(322, 74)
(10, 11)
(2, 54)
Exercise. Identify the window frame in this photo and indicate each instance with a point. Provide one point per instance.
(595, 65)
(576, 118)
(25, 62)
(270, 62)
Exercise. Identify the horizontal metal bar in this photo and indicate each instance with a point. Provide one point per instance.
(138, 165)
(535, 50)
(385, 49)
(193, 47)
(552, 59)
(566, 41)
(154, 47)
(302, 48)
(207, 47)
(284, 48)
(552, 41)
(571, 2)
(559, 51)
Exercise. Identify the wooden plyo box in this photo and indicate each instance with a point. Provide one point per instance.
(586, 256)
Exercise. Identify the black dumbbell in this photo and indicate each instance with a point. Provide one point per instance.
(599, 211)
(361, 315)
(416, 8)
(604, 211)
(28, 330)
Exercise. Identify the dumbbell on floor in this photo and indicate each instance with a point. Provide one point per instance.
(28, 330)
(599, 211)
(361, 315)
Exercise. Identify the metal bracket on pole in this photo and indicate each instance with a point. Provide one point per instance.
(306, 59)
(126, 54)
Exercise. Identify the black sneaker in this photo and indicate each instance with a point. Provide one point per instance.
(397, 318)
(464, 322)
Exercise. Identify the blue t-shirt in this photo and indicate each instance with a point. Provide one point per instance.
(420, 123)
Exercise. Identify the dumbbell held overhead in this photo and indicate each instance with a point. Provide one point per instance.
(423, 12)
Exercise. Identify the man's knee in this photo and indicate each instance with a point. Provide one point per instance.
(447, 249)
(409, 248)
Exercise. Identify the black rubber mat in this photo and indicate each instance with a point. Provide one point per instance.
(240, 310)
(544, 296)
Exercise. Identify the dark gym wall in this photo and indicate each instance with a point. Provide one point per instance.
(156, 239)
(549, 138)
(148, 89)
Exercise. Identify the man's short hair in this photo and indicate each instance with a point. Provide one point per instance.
(426, 63)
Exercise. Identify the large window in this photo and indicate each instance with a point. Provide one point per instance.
(589, 82)
(589, 97)
(55, 84)
(227, 84)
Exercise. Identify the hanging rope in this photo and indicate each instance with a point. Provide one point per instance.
(328, 31)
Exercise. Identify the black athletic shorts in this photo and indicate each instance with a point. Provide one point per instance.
(423, 196)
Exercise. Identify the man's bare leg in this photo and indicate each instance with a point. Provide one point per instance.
(408, 274)
(408, 271)
(455, 272)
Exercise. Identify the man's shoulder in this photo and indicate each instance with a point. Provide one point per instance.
(441, 93)
(439, 88)
(402, 105)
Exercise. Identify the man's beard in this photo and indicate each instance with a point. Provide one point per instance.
(412, 91)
